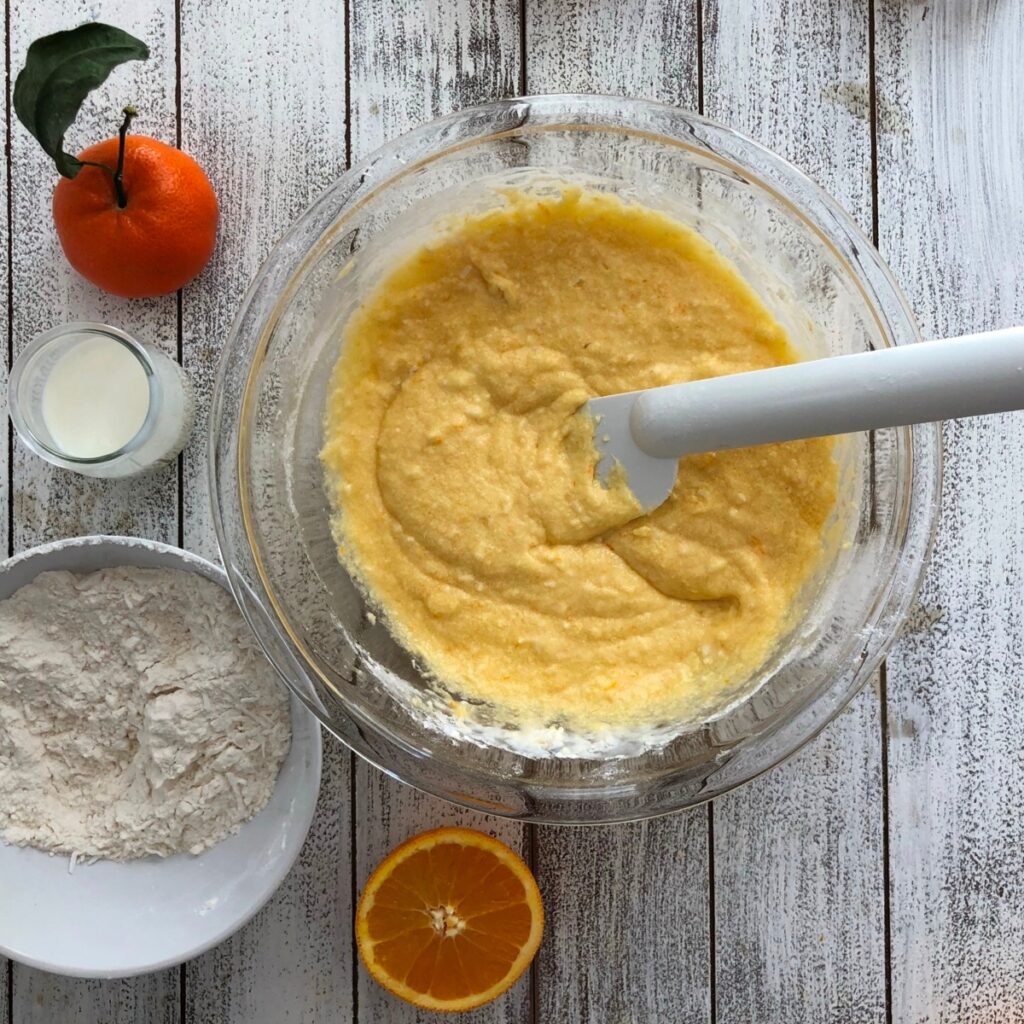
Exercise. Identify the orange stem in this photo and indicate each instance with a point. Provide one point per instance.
(117, 174)
(122, 196)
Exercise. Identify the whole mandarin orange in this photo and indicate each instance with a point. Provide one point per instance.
(163, 235)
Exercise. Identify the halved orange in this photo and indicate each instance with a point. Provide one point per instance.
(449, 920)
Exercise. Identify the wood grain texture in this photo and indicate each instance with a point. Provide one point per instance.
(411, 62)
(5, 325)
(627, 922)
(797, 858)
(628, 927)
(263, 110)
(799, 901)
(799, 885)
(293, 961)
(951, 224)
(5, 453)
(794, 76)
(644, 48)
(414, 61)
(145, 1000)
(50, 503)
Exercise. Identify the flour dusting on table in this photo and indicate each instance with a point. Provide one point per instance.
(137, 715)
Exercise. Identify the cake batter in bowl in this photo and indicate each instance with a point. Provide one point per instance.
(801, 260)
(464, 479)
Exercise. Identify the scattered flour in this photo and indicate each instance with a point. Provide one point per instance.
(137, 715)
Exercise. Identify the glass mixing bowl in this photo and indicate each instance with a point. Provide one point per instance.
(811, 266)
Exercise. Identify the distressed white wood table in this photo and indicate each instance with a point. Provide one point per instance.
(876, 877)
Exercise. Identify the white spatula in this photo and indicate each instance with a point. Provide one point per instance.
(649, 431)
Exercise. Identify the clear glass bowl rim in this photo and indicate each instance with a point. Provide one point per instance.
(272, 287)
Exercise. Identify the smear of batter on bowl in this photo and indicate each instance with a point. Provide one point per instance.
(463, 482)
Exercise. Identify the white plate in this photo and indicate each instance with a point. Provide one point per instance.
(112, 920)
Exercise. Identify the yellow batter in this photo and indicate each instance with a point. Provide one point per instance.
(463, 481)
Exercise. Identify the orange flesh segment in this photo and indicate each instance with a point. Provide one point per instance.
(450, 920)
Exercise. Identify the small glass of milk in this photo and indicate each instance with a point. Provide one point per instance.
(92, 399)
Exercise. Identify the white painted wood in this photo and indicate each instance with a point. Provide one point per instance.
(951, 220)
(627, 922)
(50, 503)
(4, 440)
(794, 76)
(799, 904)
(293, 961)
(413, 61)
(799, 898)
(47, 999)
(628, 926)
(5, 967)
(642, 48)
(263, 110)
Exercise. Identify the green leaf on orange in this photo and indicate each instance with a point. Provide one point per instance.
(60, 71)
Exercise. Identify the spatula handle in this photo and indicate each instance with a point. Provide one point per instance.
(936, 380)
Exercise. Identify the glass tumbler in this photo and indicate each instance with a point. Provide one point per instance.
(90, 398)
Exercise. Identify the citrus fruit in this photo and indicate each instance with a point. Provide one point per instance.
(449, 920)
(158, 240)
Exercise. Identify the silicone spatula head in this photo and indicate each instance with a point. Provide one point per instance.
(650, 479)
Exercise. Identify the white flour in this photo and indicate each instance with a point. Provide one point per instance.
(137, 715)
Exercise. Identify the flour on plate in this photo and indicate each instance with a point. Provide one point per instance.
(137, 715)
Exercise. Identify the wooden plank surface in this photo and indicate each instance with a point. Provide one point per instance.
(40, 998)
(951, 220)
(50, 503)
(799, 885)
(627, 926)
(799, 927)
(414, 61)
(5, 343)
(608, 955)
(645, 48)
(411, 62)
(799, 899)
(5, 340)
(292, 962)
(263, 110)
